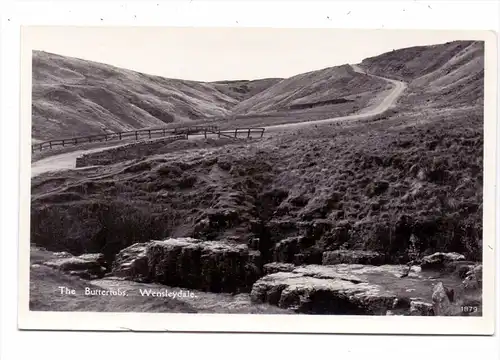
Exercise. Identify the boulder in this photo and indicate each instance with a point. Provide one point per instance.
(298, 250)
(439, 260)
(131, 263)
(286, 249)
(350, 289)
(473, 278)
(275, 267)
(421, 308)
(442, 299)
(61, 254)
(333, 289)
(459, 268)
(352, 257)
(214, 266)
(305, 293)
(87, 266)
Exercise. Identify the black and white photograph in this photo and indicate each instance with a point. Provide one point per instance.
(314, 174)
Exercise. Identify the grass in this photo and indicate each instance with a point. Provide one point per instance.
(40, 155)
(381, 182)
(45, 295)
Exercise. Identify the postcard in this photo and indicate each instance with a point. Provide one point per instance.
(257, 180)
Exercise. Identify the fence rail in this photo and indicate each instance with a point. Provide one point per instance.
(240, 132)
(147, 134)
(122, 135)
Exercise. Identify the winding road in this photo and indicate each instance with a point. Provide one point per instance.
(68, 160)
(384, 105)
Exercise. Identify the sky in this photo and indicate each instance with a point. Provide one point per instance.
(210, 54)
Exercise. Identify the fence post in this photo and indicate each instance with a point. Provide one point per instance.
(235, 133)
(136, 134)
(106, 137)
(149, 132)
(219, 133)
(120, 135)
(62, 143)
(262, 133)
(50, 144)
(41, 146)
(205, 133)
(75, 140)
(249, 133)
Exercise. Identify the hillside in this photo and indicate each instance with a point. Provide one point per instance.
(400, 186)
(73, 97)
(244, 89)
(444, 75)
(330, 86)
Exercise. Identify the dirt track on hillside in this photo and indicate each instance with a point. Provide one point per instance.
(68, 160)
(377, 109)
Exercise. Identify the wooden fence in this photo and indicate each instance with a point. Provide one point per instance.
(122, 135)
(240, 132)
(148, 134)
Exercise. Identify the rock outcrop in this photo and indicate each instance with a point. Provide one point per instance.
(442, 299)
(306, 294)
(286, 249)
(274, 267)
(421, 308)
(346, 289)
(214, 266)
(87, 266)
(131, 263)
(439, 260)
(352, 257)
(474, 278)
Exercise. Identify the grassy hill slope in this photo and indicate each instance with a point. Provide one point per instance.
(444, 75)
(331, 85)
(367, 186)
(73, 97)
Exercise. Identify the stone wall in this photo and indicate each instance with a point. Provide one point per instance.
(125, 152)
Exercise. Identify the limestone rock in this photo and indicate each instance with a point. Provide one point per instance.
(459, 268)
(286, 249)
(62, 255)
(439, 260)
(275, 267)
(313, 295)
(338, 289)
(131, 263)
(213, 266)
(421, 308)
(352, 257)
(442, 300)
(87, 266)
(474, 278)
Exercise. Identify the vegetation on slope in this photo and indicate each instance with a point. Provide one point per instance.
(444, 75)
(74, 97)
(326, 85)
(369, 186)
(365, 187)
